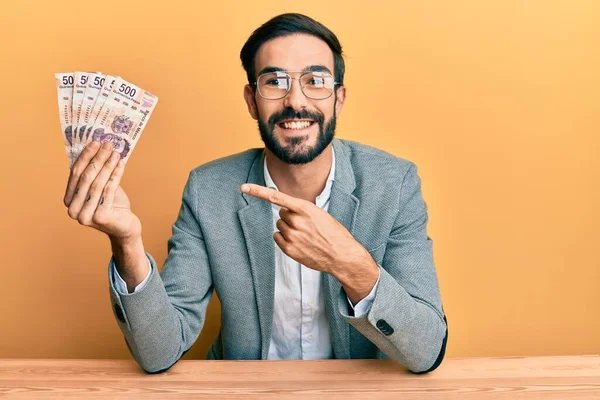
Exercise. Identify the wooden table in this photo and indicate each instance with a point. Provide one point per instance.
(564, 377)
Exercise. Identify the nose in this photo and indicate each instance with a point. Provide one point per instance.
(295, 99)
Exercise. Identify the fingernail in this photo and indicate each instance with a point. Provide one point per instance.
(245, 188)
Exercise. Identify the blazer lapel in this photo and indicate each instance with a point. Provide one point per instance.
(256, 220)
(343, 206)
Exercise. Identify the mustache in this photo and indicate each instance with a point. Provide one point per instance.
(290, 113)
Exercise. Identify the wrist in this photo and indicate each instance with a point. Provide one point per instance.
(358, 277)
(130, 260)
(354, 263)
(129, 240)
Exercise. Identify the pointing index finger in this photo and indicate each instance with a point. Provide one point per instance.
(272, 196)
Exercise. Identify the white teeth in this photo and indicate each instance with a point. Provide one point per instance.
(296, 124)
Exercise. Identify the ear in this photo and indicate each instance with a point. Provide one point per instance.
(340, 99)
(250, 101)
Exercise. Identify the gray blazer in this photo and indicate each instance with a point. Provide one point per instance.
(223, 241)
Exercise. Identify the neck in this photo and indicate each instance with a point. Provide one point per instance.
(305, 181)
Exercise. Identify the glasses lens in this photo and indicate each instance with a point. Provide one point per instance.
(273, 85)
(317, 85)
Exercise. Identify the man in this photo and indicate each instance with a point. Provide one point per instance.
(317, 247)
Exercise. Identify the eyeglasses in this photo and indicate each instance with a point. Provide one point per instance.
(276, 85)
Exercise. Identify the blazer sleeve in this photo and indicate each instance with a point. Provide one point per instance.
(406, 320)
(162, 320)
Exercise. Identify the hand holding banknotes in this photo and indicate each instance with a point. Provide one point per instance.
(102, 118)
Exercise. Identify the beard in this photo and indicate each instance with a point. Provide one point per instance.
(296, 151)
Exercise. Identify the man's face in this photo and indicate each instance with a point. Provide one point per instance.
(295, 128)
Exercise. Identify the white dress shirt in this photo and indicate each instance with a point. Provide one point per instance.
(300, 326)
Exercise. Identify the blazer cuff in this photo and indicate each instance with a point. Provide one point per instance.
(139, 309)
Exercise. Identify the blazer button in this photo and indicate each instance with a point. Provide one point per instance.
(384, 327)
(119, 313)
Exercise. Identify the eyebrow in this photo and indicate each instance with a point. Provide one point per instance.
(309, 68)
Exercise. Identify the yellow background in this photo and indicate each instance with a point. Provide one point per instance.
(498, 103)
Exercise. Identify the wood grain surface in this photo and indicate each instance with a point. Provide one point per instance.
(561, 377)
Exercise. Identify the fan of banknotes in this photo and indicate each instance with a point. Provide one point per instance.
(104, 108)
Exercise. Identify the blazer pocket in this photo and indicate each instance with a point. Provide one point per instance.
(378, 252)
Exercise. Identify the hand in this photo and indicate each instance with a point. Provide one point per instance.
(94, 197)
(312, 236)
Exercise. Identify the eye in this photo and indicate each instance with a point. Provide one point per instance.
(276, 82)
(316, 81)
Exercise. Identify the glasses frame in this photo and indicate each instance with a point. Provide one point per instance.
(299, 79)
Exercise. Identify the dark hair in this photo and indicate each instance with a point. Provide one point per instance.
(289, 24)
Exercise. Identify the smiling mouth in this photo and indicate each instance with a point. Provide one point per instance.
(295, 124)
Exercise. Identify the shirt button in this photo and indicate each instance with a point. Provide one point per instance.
(309, 337)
